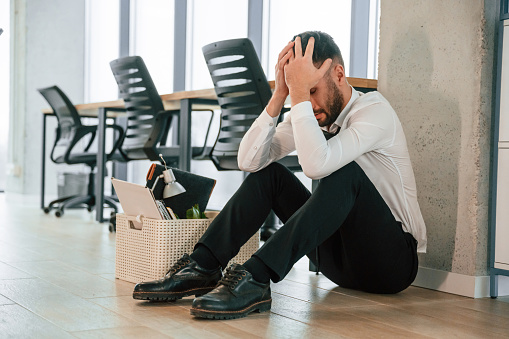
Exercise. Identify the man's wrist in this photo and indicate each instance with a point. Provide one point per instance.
(275, 104)
(298, 95)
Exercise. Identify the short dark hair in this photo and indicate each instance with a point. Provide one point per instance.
(325, 47)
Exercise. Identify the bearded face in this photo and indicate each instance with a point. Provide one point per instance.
(328, 115)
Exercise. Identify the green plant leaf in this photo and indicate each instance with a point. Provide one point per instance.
(194, 213)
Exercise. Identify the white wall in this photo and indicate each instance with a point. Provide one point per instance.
(48, 49)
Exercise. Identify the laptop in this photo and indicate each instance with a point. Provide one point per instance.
(137, 201)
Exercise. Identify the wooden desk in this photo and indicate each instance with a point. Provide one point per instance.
(171, 101)
(184, 100)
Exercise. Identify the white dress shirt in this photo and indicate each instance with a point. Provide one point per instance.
(371, 135)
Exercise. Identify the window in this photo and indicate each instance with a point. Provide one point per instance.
(102, 46)
(211, 21)
(152, 27)
(284, 21)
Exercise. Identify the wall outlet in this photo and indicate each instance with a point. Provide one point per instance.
(14, 170)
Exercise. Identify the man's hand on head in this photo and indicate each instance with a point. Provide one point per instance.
(301, 75)
(281, 89)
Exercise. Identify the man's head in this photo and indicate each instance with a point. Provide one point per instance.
(325, 47)
(329, 94)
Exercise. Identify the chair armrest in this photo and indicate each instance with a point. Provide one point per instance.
(204, 148)
(120, 139)
(78, 135)
(166, 114)
(118, 128)
(162, 118)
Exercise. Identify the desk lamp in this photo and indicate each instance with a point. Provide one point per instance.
(171, 186)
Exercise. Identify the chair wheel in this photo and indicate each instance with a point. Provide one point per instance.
(113, 222)
(59, 213)
(89, 208)
(46, 210)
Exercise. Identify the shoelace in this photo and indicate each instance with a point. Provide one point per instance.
(232, 277)
(178, 265)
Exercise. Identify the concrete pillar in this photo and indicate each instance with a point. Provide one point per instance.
(436, 67)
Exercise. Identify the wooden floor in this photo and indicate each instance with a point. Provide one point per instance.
(57, 281)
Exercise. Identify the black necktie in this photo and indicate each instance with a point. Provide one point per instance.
(328, 135)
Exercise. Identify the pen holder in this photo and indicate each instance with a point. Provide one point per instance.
(148, 254)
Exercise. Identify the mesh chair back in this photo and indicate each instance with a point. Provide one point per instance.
(67, 115)
(142, 102)
(242, 91)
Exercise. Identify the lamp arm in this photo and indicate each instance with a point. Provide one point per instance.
(155, 182)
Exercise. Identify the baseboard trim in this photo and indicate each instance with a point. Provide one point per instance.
(460, 284)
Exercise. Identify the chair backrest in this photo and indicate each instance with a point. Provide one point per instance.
(143, 103)
(65, 111)
(242, 92)
(67, 116)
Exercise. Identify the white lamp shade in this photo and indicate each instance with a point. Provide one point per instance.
(172, 189)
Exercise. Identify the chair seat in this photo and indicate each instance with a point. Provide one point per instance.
(79, 158)
(230, 163)
(172, 153)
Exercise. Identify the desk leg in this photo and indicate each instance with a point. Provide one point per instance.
(120, 168)
(43, 164)
(101, 162)
(493, 285)
(185, 135)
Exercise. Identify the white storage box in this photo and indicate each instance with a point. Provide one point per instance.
(70, 184)
(148, 254)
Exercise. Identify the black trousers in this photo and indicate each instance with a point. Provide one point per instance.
(345, 223)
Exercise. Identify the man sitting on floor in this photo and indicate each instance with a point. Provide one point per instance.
(362, 226)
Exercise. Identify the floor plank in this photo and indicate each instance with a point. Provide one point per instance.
(9, 272)
(336, 320)
(82, 283)
(70, 312)
(121, 333)
(474, 320)
(18, 322)
(407, 318)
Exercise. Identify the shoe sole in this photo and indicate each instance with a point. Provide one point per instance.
(170, 296)
(261, 306)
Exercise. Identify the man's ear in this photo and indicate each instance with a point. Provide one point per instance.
(339, 73)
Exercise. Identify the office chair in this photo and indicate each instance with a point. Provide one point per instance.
(242, 92)
(70, 134)
(148, 123)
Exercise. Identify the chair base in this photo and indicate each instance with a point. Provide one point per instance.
(77, 201)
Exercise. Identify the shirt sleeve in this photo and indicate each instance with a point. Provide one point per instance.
(265, 143)
(366, 130)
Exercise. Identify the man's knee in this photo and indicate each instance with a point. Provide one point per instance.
(269, 173)
(347, 173)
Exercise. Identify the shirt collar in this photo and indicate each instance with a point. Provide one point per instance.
(339, 121)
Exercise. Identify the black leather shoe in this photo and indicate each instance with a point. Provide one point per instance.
(236, 295)
(184, 278)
